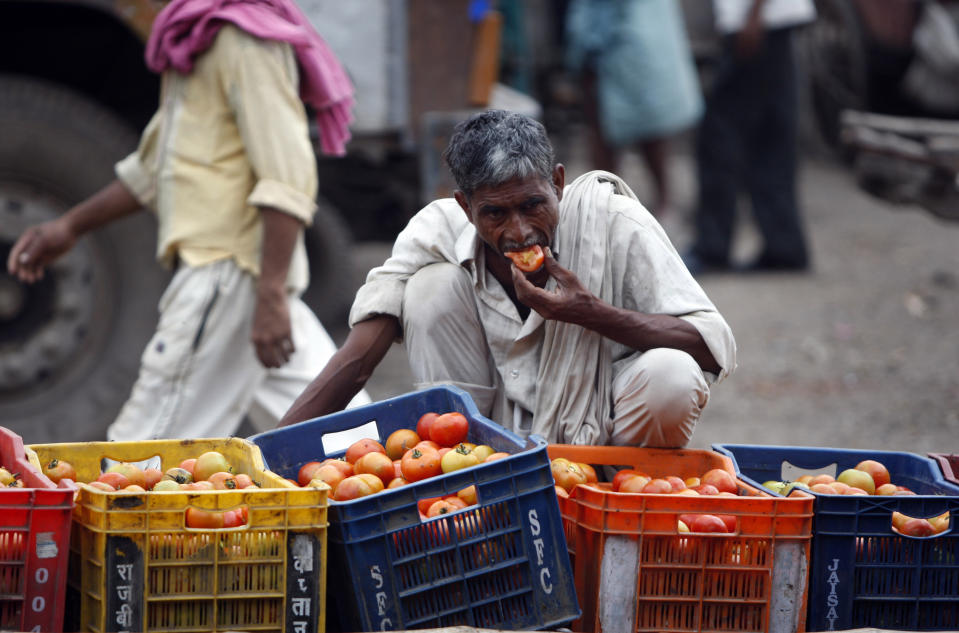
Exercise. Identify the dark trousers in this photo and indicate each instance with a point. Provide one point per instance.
(747, 141)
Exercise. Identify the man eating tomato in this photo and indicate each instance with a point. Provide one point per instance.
(609, 341)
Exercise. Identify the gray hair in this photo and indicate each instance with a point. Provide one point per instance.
(496, 146)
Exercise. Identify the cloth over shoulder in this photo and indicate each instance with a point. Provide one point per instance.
(186, 28)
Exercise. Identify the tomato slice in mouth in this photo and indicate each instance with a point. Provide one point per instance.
(528, 260)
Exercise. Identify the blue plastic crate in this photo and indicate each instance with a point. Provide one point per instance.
(863, 574)
(500, 564)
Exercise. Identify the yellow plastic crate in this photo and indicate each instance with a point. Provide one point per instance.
(135, 566)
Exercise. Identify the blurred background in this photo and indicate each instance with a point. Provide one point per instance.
(860, 350)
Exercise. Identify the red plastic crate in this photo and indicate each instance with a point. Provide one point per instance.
(634, 571)
(949, 465)
(34, 543)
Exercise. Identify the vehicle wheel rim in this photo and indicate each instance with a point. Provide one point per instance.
(44, 326)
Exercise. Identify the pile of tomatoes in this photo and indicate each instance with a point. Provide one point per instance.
(436, 446)
(715, 482)
(209, 471)
(10, 479)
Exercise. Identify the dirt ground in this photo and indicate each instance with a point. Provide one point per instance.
(861, 352)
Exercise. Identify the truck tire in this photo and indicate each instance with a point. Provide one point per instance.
(70, 344)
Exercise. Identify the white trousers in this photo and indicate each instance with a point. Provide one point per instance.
(657, 395)
(199, 374)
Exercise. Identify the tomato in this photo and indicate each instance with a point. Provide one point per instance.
(378, 464)
(427, 444)
(457, 459)
(166, 485)
(58, 469)
(561, 492)
(188, 465)
(494, 456)
(566, 474)
(179, 475)
(440, 507)
(352, 487)
(222, 481)
(234, 518)
(424, 504)
(483, 451)
(529, 260)
(396, 482)
(589, 471)
(707, 523)
(344, 466)
(376, 484)
(132, 472)
(424, 423)
(244, 481)
(421, 463)
(468, 495)
(633, 483)
(305, 473)
(449, 429)
(152, 475)
(455, 501)
(203, 519)
(208, 463)
(359, 448)
(115, 479)
(622, 476)
(723, 480)
(400, 441)
(99, 485)
(328, 474)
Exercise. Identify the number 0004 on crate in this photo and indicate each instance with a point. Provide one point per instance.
(497, 562)
(247, 558)
(726, 560)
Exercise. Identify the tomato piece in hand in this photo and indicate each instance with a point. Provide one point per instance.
(529, 260)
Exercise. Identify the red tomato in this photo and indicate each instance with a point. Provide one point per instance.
(203, 519)
(305, 474)
(449, 429)
(442, 506)
(424, 504)
(233, 518)
(115, 479)
(420, 463)
(341, 464)
(359, 448)
(529, 260)
(424, 423)
(400, 441)
(377, 464)
(58, 469)
(622, 476)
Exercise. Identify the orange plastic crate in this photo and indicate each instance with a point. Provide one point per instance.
(634, 571)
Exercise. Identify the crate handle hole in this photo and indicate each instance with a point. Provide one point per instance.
(339, 441)
(921, 527)
(790, 472)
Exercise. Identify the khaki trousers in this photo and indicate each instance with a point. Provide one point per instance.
(199, 374)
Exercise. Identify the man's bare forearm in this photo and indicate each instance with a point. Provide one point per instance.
(347, 370)
(110, 203)
(641, 332)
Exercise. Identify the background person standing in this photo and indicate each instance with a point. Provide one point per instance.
(748, 137)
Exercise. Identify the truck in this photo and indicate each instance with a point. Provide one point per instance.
(74, 95)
